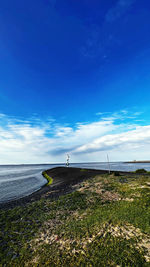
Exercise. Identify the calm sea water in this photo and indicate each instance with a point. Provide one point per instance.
(17, 181)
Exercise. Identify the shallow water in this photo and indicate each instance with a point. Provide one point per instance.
(17, 181)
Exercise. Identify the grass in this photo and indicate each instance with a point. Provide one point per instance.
(83, 170)
(142, 171)
(104, 222)
(49, 179)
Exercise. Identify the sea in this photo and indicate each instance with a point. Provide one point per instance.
(17, 181)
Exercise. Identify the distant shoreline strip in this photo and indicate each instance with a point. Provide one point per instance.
(138, 161)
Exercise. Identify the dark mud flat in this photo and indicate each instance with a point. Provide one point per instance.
(63, 179)
(63, 176)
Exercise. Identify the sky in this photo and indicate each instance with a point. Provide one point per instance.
(74, 78)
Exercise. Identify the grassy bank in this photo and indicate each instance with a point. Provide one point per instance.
(48, 178)
(104, 222)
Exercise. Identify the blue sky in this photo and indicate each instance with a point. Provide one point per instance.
(74, 77)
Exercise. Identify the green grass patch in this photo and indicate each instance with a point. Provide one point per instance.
(83, 170)
(142, 171)
(84, 228)
(49, 179)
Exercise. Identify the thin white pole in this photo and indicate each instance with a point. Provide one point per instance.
(67, 162)
(108, 163)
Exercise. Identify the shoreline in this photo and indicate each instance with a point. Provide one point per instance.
(138, 161)
(59, 187)
(63, 178)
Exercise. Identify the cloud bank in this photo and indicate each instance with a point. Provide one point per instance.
(37, 141)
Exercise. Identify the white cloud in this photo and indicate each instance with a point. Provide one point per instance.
(37, 141)
(137, 138)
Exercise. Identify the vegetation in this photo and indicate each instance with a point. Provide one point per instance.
(141, 171)
(104, 222)
(116, 173)
(83, 170)
(46, 176)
